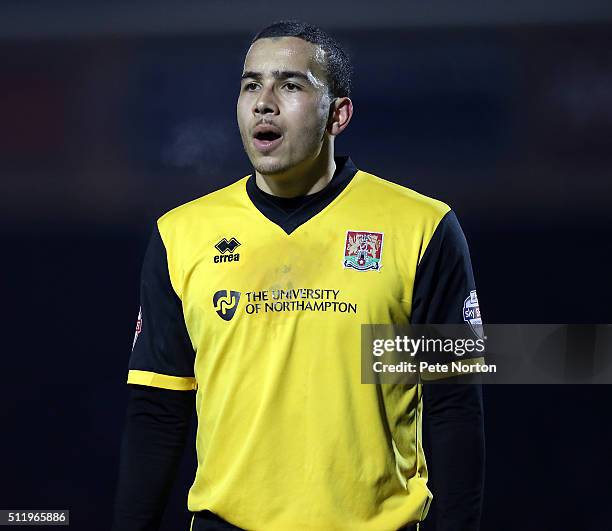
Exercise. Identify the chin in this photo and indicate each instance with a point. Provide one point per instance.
(269, 166)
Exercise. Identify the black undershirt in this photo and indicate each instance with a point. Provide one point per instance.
(290, 212)
(158, 420)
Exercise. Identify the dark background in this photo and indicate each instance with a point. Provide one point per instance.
(111, 113)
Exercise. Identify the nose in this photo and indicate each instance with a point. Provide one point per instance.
(266, 102)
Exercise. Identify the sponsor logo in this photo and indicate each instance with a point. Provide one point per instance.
(363, 250)
(138, 327)
(227, 248)
(471, 314)
(225, 303)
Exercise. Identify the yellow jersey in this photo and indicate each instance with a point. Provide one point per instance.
(260, 313)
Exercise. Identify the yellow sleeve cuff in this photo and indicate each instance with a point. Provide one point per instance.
(176, 383)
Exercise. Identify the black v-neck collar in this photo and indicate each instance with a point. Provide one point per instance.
(290, 213)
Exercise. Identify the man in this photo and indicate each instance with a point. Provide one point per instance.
(253, 295)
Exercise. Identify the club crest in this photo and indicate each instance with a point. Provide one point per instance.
(363, 250)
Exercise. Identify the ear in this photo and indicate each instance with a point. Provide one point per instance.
(340, 114)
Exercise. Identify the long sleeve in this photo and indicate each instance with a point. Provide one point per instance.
(445, 293)
(161, 400)
(156, 428)
(454, 426)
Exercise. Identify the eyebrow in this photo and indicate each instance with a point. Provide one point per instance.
(277, 74)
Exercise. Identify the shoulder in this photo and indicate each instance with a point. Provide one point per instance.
(205, 208)
(400, 200)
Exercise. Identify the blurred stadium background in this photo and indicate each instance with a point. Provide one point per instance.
(114, 112)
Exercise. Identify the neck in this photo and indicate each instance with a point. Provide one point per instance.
(306, 178)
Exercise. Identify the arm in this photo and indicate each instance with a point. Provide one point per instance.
(453, 410)
(454, 429)
(161, 400)
(156, 428)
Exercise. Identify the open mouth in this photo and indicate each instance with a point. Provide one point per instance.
(267, 140)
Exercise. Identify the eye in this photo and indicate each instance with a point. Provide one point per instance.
(250, 86)
(291, 87)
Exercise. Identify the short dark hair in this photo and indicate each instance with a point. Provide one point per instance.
(337, 65)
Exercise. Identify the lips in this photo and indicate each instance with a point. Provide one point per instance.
(267, 137)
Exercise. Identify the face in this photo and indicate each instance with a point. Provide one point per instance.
(283, 104)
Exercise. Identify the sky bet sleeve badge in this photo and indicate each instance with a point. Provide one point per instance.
(471, 314)
(363, 250)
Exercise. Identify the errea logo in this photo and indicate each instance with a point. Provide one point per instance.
(226, 248)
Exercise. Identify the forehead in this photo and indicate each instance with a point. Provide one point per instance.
(285, 53)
